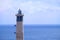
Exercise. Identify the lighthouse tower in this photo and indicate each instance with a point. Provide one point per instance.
(19, 26)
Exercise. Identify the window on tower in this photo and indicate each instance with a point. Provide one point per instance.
(19, 18)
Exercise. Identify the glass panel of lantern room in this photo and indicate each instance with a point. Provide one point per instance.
(19, 18)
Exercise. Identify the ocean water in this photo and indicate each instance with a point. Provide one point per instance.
(31, 32)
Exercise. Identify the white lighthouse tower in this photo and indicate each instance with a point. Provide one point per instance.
(19, 26)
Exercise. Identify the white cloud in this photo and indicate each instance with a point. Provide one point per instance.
(5, 5)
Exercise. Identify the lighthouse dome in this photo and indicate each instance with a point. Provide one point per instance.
(19, 11)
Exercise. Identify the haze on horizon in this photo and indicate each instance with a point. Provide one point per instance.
(35, 11)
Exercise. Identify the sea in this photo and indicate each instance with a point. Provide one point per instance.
(31, 32)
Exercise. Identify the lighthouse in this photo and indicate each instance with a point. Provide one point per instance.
(19, 25)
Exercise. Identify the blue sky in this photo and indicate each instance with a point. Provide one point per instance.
(35, 11)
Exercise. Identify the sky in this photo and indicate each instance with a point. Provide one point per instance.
(35, 11)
